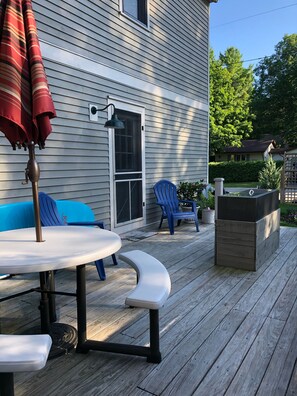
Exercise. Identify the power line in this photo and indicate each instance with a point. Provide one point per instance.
(249, 60)
(252, 16)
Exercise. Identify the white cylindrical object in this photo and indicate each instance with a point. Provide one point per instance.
(219, 190)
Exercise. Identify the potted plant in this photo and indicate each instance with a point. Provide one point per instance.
(190, 190)
(207, 205)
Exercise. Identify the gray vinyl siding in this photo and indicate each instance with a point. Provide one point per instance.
(75, 162)
(173, 55)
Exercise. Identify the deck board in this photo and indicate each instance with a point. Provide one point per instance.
(223, 330)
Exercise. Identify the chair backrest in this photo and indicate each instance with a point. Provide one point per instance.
(16, 215)
(61, 212)
(21, 214)
(166, 194)
(49, 215)
(74, 211)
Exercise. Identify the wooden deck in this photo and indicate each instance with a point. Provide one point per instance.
(223, 331)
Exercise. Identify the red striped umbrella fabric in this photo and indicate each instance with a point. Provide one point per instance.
(26, 106)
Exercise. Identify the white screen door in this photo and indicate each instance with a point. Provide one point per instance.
(128, 172)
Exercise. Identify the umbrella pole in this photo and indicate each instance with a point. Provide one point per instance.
(33, 173)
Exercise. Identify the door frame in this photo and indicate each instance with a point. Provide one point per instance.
(133, 108)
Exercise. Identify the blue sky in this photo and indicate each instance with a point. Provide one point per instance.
(254, 27)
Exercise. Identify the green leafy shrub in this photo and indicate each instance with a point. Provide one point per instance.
(190, 190)
(288, 214)
(237, 171)
(270, 175)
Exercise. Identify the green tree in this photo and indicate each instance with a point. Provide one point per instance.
(270, 175)
(231, 88)
(275, 98)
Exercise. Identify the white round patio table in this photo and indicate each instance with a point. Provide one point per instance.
(62, 247)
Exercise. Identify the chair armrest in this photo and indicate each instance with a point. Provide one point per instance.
(192, 203)
(99, 224)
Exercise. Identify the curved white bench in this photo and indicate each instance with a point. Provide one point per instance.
(154, 285)
(151, 292)
(21, 353)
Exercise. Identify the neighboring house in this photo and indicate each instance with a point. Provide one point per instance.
(150, 59)
(250, 150)
(278, 153)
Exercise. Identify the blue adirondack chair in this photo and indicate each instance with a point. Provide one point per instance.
(166, 194)
(50, 216)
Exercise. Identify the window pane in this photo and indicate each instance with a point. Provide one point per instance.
(128, 143)
(131, 8)
(142, 11)
(137, 9)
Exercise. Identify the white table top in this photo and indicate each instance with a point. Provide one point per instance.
(62, 247)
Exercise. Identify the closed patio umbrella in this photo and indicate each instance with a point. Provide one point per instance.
(26, 106)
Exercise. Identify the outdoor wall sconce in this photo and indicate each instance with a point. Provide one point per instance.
(114, 122)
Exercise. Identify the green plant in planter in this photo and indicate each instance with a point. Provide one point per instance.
(208, 202)
(190, 190)
(270, 175)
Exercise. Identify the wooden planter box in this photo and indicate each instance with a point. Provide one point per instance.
(246, 245)
(247, 229)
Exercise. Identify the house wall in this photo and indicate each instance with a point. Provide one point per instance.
(246, 156)
(92, 52)
(174, 47)
(277, 157)
(293, 151)
(252, 156)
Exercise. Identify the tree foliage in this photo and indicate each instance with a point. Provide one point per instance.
(231, 87)
(275, 97)
(270, 175)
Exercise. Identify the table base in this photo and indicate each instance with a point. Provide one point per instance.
(64, 338)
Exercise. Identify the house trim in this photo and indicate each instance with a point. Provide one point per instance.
(57, 54)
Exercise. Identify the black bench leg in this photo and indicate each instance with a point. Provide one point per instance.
(44, 303)
(81, 307)
(6, 384)
(155, 354)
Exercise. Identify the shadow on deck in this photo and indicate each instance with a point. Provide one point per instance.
(223, 330)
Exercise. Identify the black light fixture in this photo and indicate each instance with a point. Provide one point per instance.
(114, 122)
